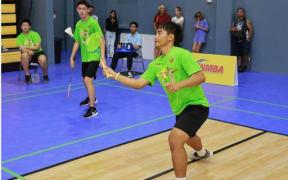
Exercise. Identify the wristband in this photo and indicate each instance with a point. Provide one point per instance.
(117, 75)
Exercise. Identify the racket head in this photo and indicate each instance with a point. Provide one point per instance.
(94, 42)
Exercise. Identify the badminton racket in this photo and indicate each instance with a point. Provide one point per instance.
(69, 85)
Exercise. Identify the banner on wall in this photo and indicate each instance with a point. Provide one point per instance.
(218, 69)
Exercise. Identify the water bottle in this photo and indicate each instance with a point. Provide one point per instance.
(247, 35)
(35, 78)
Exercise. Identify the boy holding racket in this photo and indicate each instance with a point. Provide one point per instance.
(181, 77)
(89, 37)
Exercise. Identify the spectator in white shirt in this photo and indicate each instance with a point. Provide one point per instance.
(178, 18)
(91, 13)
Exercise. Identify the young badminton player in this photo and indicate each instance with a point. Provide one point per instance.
(181, 77)
(91, 54)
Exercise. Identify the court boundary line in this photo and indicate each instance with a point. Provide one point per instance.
(248, 127)
(92, 153)
(250, 112)
(128, 142)
(53, 92)
(211, 105)
(8, 171)
(145, 92)
(87, 138)
(243, 99)
(48, 88)
(229, 98)
(214, 152)
(3, 162)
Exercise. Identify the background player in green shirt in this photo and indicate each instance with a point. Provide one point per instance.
(181, 77)
(87, 34)
(29, 42)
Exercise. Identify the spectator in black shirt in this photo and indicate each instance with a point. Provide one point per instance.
(111, 28)
(241, 34)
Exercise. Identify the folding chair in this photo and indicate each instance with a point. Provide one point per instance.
(31, 66)
(138, 60)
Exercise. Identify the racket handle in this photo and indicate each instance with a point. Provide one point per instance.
(108, 75)
(69, 88)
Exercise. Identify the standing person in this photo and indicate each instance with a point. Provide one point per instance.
(85, 28)
(111, 28)
(241, 34)
(181, 77)
(29, 42)
(178, 18)
(201, 28)
(91, 13)
(160, 18)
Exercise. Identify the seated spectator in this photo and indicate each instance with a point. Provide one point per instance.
(178, 18)
(201, 28)
(29, 42)
(241, 33)
(91, 13)
(136, 40)
(160, 18)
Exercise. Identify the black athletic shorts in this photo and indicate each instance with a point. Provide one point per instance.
(191, 119)
(240, 48)
(34, 58)
(89, 69)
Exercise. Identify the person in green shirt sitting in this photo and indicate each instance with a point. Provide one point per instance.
(29, 42)
(181, 77)
(89, 37)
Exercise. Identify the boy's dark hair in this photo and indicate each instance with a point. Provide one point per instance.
(84, 3)
(172, 28)
(135, 23)
(91, 6)
(26, 21)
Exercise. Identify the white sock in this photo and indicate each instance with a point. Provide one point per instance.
(184, 178)
(202, 152)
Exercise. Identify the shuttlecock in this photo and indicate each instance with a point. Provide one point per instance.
(69, 31)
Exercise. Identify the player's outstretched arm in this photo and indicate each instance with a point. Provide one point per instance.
(130, 82)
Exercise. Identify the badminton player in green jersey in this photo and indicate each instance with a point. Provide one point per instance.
(181, 77)
(89, 37)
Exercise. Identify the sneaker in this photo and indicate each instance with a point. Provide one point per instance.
(242, 68)
(3, 49)
(46, 78)
(195, 156)
(86, 102)
(28, 79)
(92, 111)
(130, 74)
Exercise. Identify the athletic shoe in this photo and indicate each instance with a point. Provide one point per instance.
(195, 156)
(86, 102)
(28, 79)
(3, 49)
(46, 79)
(92, 111)
(130, 74)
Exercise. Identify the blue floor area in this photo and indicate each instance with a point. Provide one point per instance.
(42, 127)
